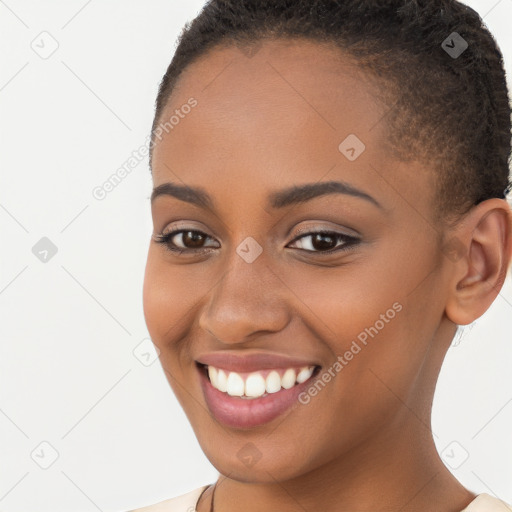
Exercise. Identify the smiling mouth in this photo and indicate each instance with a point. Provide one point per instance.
(256, 384)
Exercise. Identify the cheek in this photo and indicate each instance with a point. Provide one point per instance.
(168, 299)
(168, 306)
(367, 318)
(341, 304)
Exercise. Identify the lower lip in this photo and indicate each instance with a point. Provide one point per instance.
(238, 412)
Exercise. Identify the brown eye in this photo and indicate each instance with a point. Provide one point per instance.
(184, 240)
(325, 241)
(192, 239)
(322, 242)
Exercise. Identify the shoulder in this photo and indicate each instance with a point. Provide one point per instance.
(486, 503)
(183, 503)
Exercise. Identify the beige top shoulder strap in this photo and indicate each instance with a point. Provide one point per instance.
(184, 503)
(486, 503)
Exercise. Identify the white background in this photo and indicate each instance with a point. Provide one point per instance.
(68, 374)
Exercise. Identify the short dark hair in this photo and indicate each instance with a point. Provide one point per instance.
(451, 112)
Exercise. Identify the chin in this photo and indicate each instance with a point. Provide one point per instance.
(255, 459)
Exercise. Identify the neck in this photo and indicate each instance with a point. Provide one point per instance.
(359, 480)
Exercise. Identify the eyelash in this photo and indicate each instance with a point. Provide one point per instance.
(165, 239)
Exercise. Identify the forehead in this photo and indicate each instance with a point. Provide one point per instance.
(274, 117)
(297, 79)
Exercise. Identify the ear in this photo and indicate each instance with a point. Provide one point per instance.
(479, 255)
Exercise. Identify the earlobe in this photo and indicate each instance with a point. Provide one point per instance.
(479, 274)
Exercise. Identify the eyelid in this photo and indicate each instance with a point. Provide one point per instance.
(184, 226)
(313, 229)
(301, 231)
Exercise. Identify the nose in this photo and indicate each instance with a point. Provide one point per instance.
(248, 301)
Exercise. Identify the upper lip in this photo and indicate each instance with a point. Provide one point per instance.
(239, 362)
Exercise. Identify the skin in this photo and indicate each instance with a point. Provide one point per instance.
(271, 121)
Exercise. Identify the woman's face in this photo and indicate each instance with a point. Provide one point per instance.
(368, 315)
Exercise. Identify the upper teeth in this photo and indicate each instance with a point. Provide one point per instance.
(254, 384)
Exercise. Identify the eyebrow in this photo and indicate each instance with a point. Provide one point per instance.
(279, 199)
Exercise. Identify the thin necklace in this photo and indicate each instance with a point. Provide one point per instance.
(213, 496)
